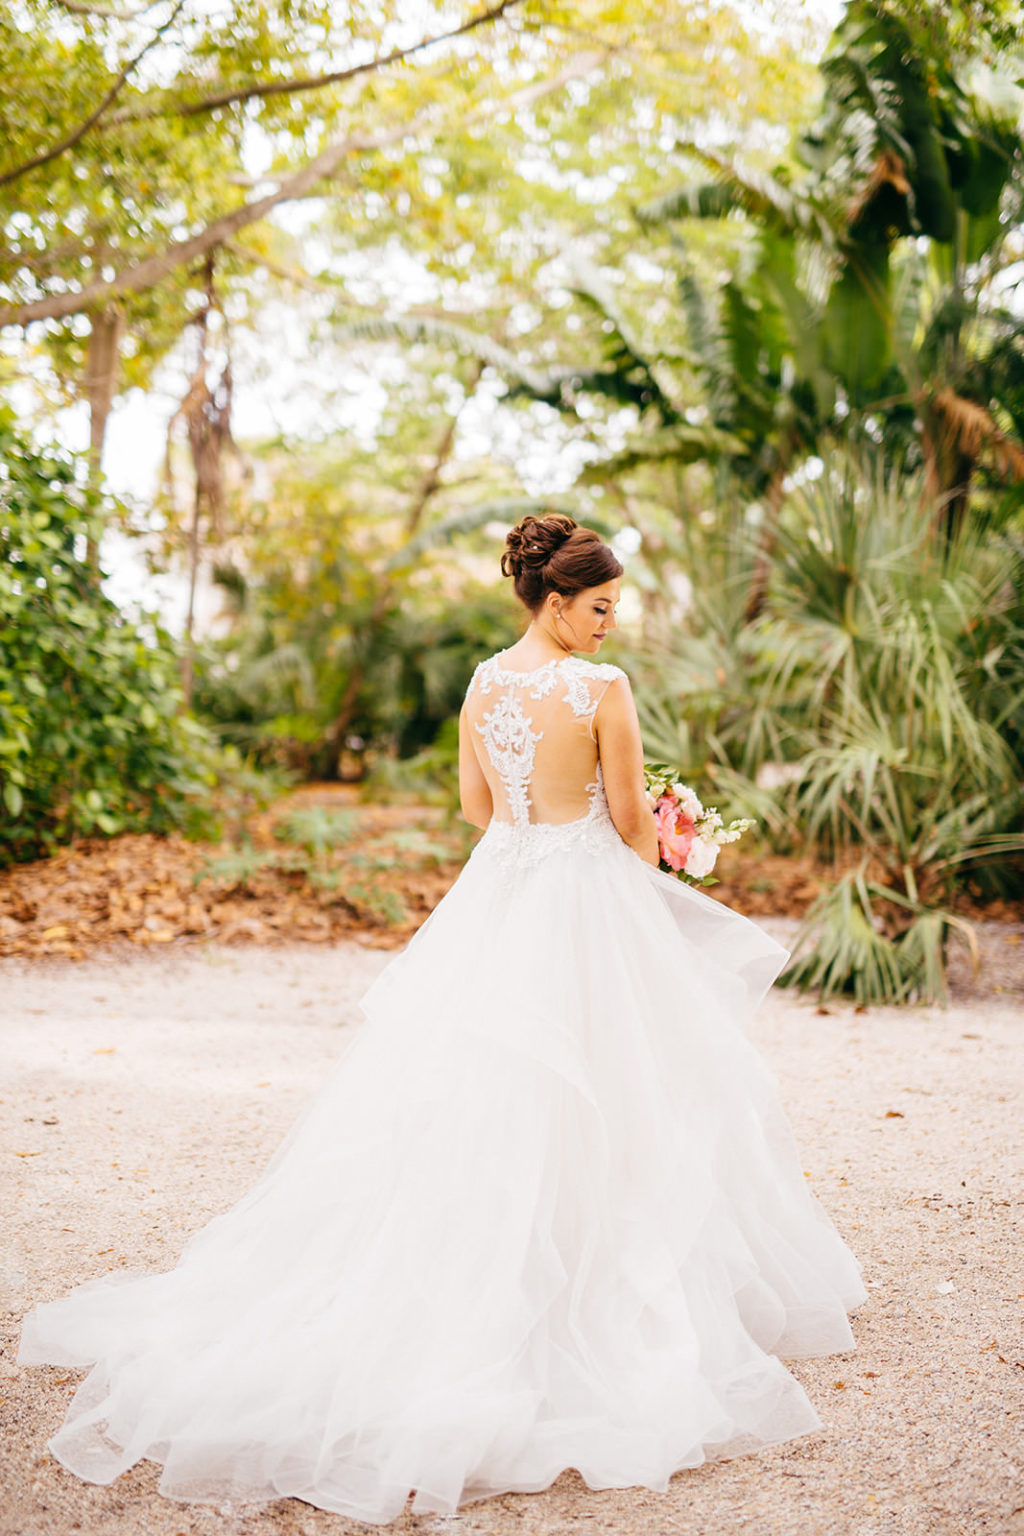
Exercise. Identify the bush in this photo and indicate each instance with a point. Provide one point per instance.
(92, 736)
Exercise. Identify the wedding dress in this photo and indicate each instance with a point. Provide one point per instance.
(546, 1212)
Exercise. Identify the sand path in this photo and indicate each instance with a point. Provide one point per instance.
(140, 1095)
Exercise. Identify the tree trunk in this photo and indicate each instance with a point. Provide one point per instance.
(948, 472)
(188, 649)
(431, 482)
(105, 330)
(428, 487)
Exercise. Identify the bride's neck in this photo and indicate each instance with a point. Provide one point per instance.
(541, 643)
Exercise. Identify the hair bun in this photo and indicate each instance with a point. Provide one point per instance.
(530, 544)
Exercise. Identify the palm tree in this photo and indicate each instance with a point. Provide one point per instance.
(911, 191)
(874, 300)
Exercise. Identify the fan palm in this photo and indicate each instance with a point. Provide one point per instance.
(897, 664)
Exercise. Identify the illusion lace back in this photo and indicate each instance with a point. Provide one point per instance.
(545, 1213)
(539, 752)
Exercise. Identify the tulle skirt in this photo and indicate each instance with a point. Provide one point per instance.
(546, 1212)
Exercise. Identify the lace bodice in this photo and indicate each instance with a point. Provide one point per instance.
(538, 750)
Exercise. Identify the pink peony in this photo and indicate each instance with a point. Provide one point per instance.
(676, 832)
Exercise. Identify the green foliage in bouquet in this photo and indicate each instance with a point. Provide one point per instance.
(92, 738)
(689, 834)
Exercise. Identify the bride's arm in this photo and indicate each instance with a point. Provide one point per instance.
(474, 793)
(622, 766)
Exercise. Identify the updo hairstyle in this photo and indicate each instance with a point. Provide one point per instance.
(554, 554)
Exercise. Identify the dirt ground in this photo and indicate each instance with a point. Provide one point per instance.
(141, 1093)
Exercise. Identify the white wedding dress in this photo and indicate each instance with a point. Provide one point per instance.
(546, 1212)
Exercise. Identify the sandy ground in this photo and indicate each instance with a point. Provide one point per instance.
(140, 1095)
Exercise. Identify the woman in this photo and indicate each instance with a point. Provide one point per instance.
(546, 1213)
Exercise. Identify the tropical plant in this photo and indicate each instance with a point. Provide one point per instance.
(868, 295)
(894, 686)
(349, 621)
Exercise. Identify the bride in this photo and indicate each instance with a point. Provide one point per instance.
(545, 1213)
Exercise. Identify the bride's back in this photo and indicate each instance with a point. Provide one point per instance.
(533, 733)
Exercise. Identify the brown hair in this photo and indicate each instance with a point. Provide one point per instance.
(554, 554)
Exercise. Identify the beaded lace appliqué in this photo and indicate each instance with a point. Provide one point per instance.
(511, 746)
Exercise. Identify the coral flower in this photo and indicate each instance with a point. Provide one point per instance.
(676, 831)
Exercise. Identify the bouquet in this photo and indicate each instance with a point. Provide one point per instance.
(689, 836)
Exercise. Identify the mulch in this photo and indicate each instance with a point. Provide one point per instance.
(147, 891)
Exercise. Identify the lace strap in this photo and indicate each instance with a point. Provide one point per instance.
(583, 697)
(472, 682)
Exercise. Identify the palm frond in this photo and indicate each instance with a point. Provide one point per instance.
(838, 949)
(450, 334)
(509, 510)
(757, 193)
(973, 429)
(678, 444)
(274, 672)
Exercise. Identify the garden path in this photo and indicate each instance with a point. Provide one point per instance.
(140, 1094)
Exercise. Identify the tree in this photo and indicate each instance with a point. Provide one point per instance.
(119, 192)
(139, 181)
(347, 614)
(865, 294)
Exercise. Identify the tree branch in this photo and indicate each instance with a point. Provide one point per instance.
(147, 273)
(80, 8)
(430, 484)
(45, 156)
(229, 96)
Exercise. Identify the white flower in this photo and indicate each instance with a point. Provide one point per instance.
(700, 860)
(688, 802)
(736, 830)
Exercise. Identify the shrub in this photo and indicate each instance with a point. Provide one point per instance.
(92, 734)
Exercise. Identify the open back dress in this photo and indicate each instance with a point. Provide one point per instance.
(546, 1212)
